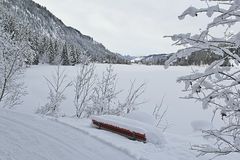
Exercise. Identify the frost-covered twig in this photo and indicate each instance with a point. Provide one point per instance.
(158, 114)
(133, 95)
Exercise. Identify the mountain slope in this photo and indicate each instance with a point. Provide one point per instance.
(41, 22)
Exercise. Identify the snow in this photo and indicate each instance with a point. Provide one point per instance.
(175, 147)
(201, 125)
(142, 117)
(27, 137)
(34, 137)
(192, 11)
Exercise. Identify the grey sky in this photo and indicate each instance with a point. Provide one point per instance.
(134, 27)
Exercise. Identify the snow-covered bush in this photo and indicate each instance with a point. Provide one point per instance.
(99, 96)
(105, 93)
(131, 101)
(57, 87)
(83, 88)
(218, 85)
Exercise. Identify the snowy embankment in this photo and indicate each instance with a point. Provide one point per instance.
(29, 137)
(173, 147)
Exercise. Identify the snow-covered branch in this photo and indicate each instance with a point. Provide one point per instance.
(218, 85)
(132, 98)
(83, 87)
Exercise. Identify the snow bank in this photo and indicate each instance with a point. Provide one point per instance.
(142, 117)
(153, 134)
(30, 137)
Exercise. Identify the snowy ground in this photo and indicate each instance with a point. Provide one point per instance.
(25, 137)
(183, 117)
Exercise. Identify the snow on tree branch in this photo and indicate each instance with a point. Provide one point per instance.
(218, 86)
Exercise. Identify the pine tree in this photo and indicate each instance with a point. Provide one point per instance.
(35, 59)
(42, 46)
(34, 45)
(78, 56)
(51, 52)
(72, 55)
(9, 26)
(56, 47)
(64, 56)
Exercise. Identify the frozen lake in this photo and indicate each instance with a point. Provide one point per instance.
(159, 82)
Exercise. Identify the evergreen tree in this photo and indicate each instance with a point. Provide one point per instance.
(35, 59)
(9, 25)
(72, 55)
(56, 47)
(34, 45)
(64, 56)
(77, 55)
(51, 52)
(42, 46)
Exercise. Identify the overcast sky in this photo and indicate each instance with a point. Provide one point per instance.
(134, 27)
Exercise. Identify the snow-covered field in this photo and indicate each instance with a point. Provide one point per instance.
(159, 82)
(183, 117)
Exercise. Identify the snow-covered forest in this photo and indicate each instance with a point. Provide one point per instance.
(65, 96)
(48, 37)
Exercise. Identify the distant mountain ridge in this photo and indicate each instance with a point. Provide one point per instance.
(152, 59)
(196, 58)
(41, 22)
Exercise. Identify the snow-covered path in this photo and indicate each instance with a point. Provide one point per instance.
(26, 137)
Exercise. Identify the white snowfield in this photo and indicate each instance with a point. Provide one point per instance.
(26, 137)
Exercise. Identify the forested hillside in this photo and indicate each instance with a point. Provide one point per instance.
(50, 40)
